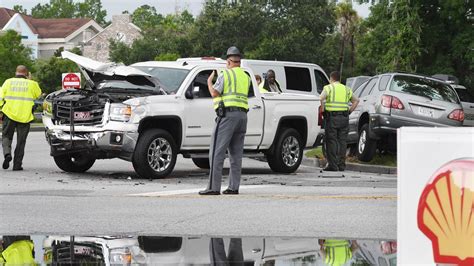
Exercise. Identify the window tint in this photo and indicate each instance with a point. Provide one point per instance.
(251, 92)
(383, 82)
(357, 91)
(158, 244)
(201, 82)
(298, 78)
(465, 95)
(369, 87)
(321, 80)
(424, 87)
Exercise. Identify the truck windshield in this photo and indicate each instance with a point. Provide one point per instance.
(171, 78)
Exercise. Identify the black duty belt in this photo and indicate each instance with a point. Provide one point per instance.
(345, 113)
(236, 109)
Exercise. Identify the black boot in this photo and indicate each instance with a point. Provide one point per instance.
(6, 162)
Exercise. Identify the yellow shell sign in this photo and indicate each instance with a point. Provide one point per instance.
(445, 212)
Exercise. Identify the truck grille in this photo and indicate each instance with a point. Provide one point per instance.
(84, 114)
(87, 253)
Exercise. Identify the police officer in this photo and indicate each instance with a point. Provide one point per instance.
(230, 94)
(17, 250)
(17, 97)
(335, 98)
(337, 252)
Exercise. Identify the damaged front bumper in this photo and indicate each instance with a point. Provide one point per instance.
(101, 143)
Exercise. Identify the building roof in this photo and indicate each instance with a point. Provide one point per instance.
(46, 28)
(5, 15)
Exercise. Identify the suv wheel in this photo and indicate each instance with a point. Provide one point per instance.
(74, 163)
(155, 154)
(288, 152)
(202, 163)
(366, 146)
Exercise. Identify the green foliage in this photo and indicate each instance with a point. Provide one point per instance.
(171, 36)
(426, 36)
(20, 9)
(68, 9)
(145, 17)
(49, 72)
(167, 57)
(12, 54)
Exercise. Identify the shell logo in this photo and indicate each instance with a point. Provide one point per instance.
(445, 212)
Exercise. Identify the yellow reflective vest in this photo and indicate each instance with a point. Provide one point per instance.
(19, 253)
(338, 252)
(337, 97)
(236, 89)
(17, 97)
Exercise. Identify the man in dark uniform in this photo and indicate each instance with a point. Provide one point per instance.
(230, 95)
(335, 98)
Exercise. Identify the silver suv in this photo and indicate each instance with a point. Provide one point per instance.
(393, 100)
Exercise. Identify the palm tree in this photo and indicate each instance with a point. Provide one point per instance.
(346, 19)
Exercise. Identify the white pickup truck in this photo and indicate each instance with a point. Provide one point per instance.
(150, 112)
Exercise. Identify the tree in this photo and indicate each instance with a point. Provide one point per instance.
(346, 19)
(68, 9)
(20, 9)
(55, 9)
(13, 53)
(145, 17)
(91, 9)
(49, 72)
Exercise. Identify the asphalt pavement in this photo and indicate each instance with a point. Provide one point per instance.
(110, 199)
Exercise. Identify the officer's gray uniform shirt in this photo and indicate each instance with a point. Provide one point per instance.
(231, 131)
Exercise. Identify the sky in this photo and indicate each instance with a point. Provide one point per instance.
(114, 7)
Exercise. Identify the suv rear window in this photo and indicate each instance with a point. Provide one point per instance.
(424, 87)
(298, 79)
(465, 95)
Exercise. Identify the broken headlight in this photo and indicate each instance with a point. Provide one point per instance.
(47, 108)
(120, 112)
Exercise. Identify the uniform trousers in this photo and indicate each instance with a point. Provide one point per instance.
(22, 130)
(229, 135)
(336, 130)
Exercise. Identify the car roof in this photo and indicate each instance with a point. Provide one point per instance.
(413, 75)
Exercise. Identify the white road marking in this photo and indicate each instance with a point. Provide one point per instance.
(191, 191)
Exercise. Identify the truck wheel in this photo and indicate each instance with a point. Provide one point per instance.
(288, 152)
(74, 163)
(366, 146)
(202, 163)
(155, 154)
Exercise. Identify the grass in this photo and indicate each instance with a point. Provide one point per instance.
(379, 159)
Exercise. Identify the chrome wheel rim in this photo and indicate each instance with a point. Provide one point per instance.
(362, 141)
(159, 154)
(291, 151)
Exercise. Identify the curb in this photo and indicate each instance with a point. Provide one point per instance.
(356, 167)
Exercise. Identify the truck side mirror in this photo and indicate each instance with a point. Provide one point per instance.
(189, 94)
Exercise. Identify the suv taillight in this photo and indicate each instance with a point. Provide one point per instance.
(392, 102)
(457, 115)
(320, 115)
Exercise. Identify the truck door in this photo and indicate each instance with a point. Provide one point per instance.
(199, 114)
(255, 115)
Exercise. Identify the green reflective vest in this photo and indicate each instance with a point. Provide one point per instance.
(261, 88)
(236, 89)
(19, 253)
(337, 97)
(17, 97)
(338, 252)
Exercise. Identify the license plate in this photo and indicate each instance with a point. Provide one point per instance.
(426, 112)
(81, 116)
(79, 250)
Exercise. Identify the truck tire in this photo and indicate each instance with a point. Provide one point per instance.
(287, 153)
(202, 163)
(74, 163)
(366, 146)
(155, 154)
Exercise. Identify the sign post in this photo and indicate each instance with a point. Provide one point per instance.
(71, 81)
